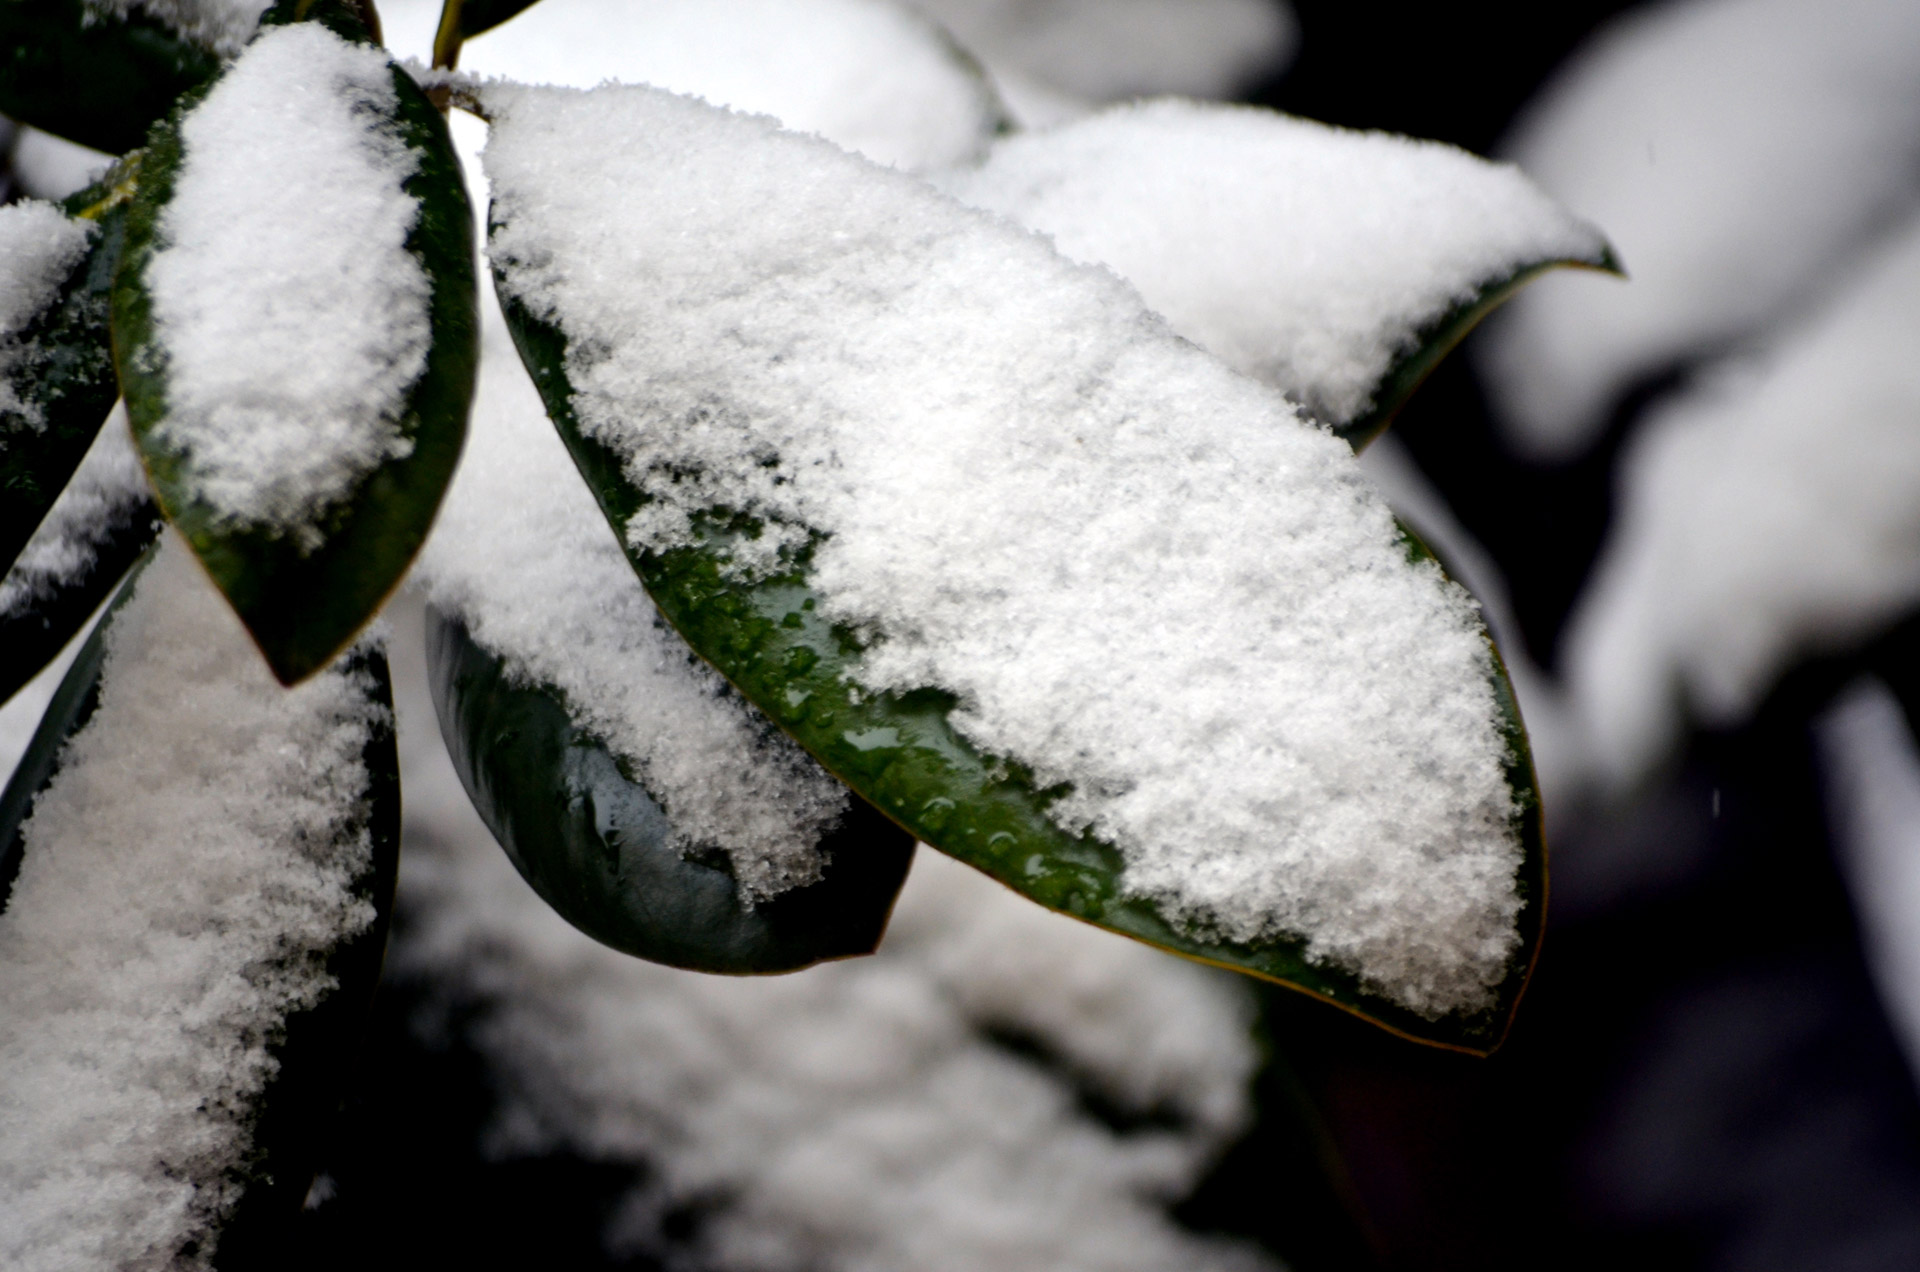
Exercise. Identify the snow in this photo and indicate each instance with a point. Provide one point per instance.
(39, 246)
(1283, 727)
(1737, 152)
(221, 25)
(859, 1116)
(44, 166)
(870, 75)
(1771, 512)
(107, 491)
(1307, 256)
(291, 317)
(174, 904)
(1105, 50)
(1871, 775)
(522, 553)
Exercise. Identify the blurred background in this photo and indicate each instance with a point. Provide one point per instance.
(1690, 503)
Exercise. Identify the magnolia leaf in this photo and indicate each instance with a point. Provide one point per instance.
(56, 356)
(1057, 592)
(598, 846)
(301, 448)
(225, 949)
(1338, 266)
(98, 79)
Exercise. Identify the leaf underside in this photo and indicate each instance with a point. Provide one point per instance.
(304, 607)
(598, 847)
(70, 380)
(1438, 338)
(901, 753)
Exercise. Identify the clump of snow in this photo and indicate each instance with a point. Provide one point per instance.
(523, 555)
(44, 166)
(185, 875)
(290, 315)
(1771, 512)
(39, 246)
(860, 1116)
(1737, 152)
(1308, 256)
(221, 25)
(1142, 575)
(1105, 50)
(107, 491)
(866, 74)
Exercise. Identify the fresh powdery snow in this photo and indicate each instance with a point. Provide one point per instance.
(523, 555)
(866, 74)
(107, 491)
(1737, 152)
(1308, 256)
(1771, 512)
(39, 246)
(221, 25)
(293, 319)
(185, 875)
(1141, 573)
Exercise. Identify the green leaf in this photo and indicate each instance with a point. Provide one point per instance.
(596, 844)
(477, 16)
(302, 602)
(101, 81)
(63, 377)
(1436, 340)
(318, 1045)
(902, 753)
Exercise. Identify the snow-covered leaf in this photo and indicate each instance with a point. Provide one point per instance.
(1338, 266)
(1738, 153)
(869, 75)
(97, 72)
(1049, 586)
(56, 356)
(294, 323)
(600, 849)
(97, 528)
(191, 938)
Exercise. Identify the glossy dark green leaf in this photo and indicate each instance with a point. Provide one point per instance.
(100, 81)
(317, 1048)
(304, 606)
(65, 376)
(901, 753)
(1438, 338)
(477, 16)
(596, 845)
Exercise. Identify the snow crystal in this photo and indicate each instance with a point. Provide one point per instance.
(39, 246)
(865, 74)
(522, 553)
(1104, 50)
(1771, 512)
(1310, 257)
(1737, 152)
(291, 316)
(1141, 574)
(859, 1116)
(175, 902)
(221, 25)
(107, 491)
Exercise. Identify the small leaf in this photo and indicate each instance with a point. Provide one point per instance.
(96, 79)
(256, 1143)
(56, 366)
(299, 368)
(957, 514)
(597, 845)
(477, 16)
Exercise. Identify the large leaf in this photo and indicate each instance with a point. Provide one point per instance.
(100, 81)
(62, 379)
(903, 754)
(313, 1047)
(597, 845)
(304, 591)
